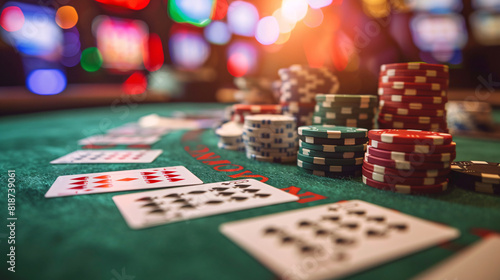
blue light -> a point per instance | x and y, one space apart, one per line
46 81
217 33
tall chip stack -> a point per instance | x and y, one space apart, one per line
345 110
270 138
240 111
331 151
413 96
408 161
300 85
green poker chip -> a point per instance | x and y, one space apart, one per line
356 173
336 132
330 161
347 98
314 153
329 141
333 148
328 168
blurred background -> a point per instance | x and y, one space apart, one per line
57 54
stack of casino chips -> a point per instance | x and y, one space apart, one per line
345 110
240 111
413 96
479 176
230 136
270 138
299 86
331 151
408 161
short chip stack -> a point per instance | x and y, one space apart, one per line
230 136
413 96
240 111
345 110
331 151
299 86
479 176
408 161
270 138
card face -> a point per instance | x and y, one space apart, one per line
109 156
147 209
333 240
107 139
136 129
480 261
117 181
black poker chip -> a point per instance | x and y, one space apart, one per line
476 171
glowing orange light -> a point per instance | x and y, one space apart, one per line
135 84
285 24
294 10
12 19
238 65
314 18
283 38
154 58
66 17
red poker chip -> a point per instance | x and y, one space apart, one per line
406 189
413 73
400 180
414 79
406 85
405 136
406 173
408 125
413 105
411 148
419 99
414 157
415 66
412 92
412 112
405 165
411 119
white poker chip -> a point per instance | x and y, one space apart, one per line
230 129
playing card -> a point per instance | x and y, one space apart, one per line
117 181
480 261
109 156
332 240
136 129
147 209
106 139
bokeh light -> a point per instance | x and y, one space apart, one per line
316 4
187 48
294 10
129 4
313 18
91 59
242 18
66 17
154 56
267 31
283 38
195 12
242 59
284 23
12 19
219 10
46 81
137 83
217 33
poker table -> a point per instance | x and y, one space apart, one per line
85 237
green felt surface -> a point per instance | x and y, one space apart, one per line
85 237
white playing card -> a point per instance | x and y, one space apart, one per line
109 156
117 181
136 129
147 209
479 261
106 139
333 240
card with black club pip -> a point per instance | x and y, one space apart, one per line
111 139
117 181
333 240
109 156
147 209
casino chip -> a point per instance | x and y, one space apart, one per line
412 112
414 79
270 138
315 153
230 136
408 161
412 92
330 161
332 132
355 173
479 176
329 141
415 66
345 110
240 111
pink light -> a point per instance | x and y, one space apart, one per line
294 10
238 65
316 4
267 31
12 19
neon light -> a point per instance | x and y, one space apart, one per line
46 81
66 17
91 59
